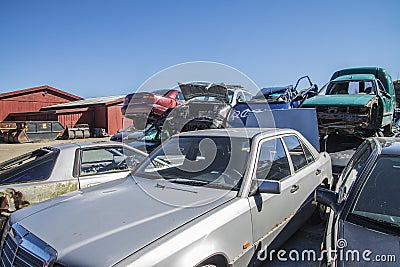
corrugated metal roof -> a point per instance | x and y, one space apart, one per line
88 102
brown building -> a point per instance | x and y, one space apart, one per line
100 112
45 103
32 99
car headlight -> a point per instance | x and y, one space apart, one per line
6 229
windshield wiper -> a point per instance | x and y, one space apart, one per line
223 186
202 183
188 181
174 188
377 221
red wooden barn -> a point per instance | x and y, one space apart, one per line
32 100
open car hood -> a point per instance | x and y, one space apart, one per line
195 89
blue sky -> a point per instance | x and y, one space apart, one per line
96 48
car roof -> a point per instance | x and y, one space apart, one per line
89 144
389 145
355 77
238 132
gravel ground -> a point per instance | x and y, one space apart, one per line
307 238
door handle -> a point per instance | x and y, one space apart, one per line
294 188
318 172
92 184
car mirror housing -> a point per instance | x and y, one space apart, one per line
270 187
328 198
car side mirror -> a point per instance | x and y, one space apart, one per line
328 198
270 187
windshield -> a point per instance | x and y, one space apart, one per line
273 95
33 166
162 92
206 99
279 96
379 196
199 161
348 88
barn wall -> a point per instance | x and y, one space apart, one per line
115 119
29 103
100 117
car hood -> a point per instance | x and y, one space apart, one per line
192 90
115 219
361 239
338 100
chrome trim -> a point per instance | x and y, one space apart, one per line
22 248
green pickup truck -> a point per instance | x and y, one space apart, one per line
358 101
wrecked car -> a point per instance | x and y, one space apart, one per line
181 206
355 104
51 171
207 106
146 107
286 97
364 207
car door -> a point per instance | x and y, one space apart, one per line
270 212
306 169
356 165
388 104
102 164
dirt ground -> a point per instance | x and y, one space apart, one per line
8 151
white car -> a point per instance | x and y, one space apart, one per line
205 198
51 171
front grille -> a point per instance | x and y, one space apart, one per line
21 248
340 109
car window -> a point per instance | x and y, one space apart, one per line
381 87
272 162
230 95
180 97
296 152
240 97
35 166
152 135
309 156
353 167
199 161
102 160
351 88
379 196
247 96
162 92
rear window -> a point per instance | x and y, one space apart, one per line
33 166
162 92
